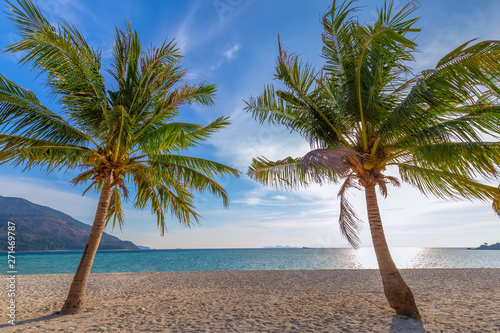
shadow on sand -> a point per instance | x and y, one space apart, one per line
29 321
400 325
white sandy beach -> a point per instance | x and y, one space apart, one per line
460 300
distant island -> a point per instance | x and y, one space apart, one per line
281 247
485 246
40 228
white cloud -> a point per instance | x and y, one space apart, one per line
192 34
251 201
231 53
258 197
228 55
192 75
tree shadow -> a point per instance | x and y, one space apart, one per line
29 321
399 325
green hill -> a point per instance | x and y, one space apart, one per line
40 228
485 246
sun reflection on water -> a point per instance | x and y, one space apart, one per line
404 257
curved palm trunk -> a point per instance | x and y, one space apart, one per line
76 296
396 290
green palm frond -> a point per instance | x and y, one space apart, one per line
178 136
302 95
288 173
172 197
21 150
196 174
461 124
22 113
115 212
470 159
207 167
496 205
273 109
445 184
457 83
287 107
336 22
366 110
72 66
284 174
165 106
113 136
365 60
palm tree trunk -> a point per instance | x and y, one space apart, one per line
76 296
396 290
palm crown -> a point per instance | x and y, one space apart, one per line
126 134
365 111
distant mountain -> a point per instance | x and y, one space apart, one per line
485 246
40 228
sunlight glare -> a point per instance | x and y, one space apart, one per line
404 257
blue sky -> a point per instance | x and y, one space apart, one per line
233 43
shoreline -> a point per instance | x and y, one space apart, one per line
245 248
460 300
260 270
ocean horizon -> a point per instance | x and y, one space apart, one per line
224 259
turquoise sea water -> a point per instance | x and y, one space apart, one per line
63 262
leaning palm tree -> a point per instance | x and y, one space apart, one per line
117 137
365 112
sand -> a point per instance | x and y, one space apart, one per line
450 300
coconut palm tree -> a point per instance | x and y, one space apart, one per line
365 112
118 136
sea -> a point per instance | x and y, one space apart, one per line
118 261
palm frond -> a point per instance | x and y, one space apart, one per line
288 173
207 167
339 160
115 210
460 124
178 136
470 159
21 150
336 22
128 133
496 205
165 106
195 174
172 197
273 109
457 83
445 184
23 114
349 222
72 66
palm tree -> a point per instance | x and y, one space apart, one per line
116 137
365 112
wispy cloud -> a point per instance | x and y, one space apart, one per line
231 53
183 34
228 54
